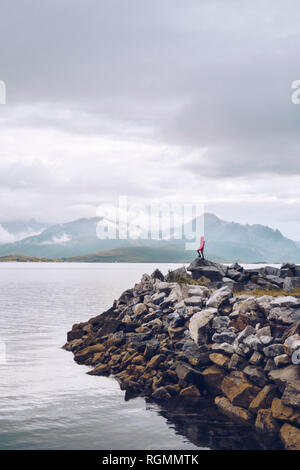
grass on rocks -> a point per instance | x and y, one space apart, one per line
271 292
202 281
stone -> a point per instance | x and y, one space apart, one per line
265 331
291 344
288 374
284 315
199 325
220 322
176 332
256 358
100 369
248 331
290 437
263 399
253 343
291 394
194 301
220 360
219 297
84 354
285 301
158 297
157 274
246 305
161 394
265 340
190 391
282 360
188 374
204 268
155 361
224 348
265 423
213 377
273 350
198 291
165 287
139 309
238 390
225 336
255 375
237 362
235 413
284 413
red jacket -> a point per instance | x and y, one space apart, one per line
202 244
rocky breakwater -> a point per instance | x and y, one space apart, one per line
174 338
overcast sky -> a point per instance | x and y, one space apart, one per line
169 100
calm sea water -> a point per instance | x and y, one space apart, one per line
46 400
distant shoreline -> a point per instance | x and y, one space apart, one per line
93 258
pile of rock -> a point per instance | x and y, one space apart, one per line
175 341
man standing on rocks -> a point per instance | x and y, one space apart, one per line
201 248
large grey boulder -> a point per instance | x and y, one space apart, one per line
285 375
212 271
200 323
284 315
291 394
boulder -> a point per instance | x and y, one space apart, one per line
281 377
273 350
282 360
235 413
161 394
219 297
198 291
191 391
263 399
255 375
291 394
224 348
291 344
285 413
212 271
238 390
195 301
290 437
225 336
188 374
200 323
213 377
220 360
265 423
157 274
284 315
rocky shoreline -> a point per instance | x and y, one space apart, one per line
188 337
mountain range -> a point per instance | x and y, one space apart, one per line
225 241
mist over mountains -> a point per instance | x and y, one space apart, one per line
225 241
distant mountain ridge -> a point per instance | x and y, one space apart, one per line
225 241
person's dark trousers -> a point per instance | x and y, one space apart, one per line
200 254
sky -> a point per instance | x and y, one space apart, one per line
165 100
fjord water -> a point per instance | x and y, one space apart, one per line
46 400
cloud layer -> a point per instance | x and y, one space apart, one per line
173 101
